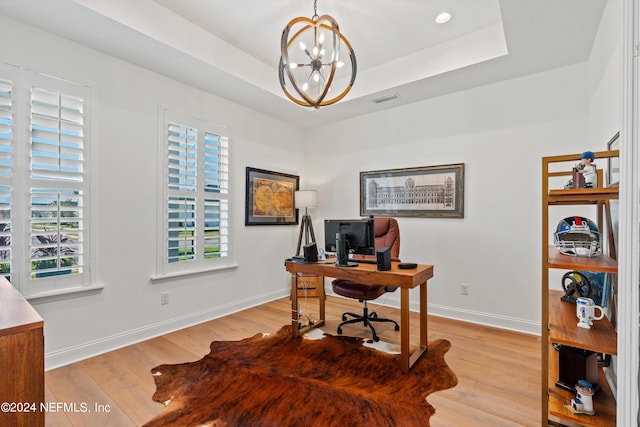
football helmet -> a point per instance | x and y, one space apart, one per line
578 236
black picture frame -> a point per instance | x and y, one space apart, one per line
427 192
270 198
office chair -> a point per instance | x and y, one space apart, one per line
387 234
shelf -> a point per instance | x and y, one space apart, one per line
563 328
559 318
582 196
601 263
603 403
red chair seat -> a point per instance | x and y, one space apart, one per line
357 291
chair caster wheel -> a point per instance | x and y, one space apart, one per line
344 318
376 338
340 331
397 328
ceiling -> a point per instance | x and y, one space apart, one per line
231 48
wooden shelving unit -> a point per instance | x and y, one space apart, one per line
559 321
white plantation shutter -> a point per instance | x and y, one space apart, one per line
182 158
57 184
5 127
182 229
216 228
216 163
195 194
216 180
6 164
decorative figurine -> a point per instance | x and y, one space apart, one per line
575 284
583 402
588 169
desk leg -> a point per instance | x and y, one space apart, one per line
294 305
404 330
408 360
423 315
296 328
323 297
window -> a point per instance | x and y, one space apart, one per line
195 195
43 158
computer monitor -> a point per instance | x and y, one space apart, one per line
359 234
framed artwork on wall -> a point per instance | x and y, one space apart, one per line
269 198
613 163
428 192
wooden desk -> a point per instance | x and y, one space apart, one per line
21 359
369 274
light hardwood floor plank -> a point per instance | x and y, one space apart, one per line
498 371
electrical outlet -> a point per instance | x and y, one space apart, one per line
164 298
464 289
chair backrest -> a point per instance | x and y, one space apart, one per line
387 234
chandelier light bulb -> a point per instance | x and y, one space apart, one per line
315 51
302 46
305 86
293 65
316 77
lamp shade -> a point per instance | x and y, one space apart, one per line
305 199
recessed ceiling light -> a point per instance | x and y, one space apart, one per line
443 17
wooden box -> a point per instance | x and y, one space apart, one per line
310 286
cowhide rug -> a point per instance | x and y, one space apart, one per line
277 380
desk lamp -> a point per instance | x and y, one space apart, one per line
305 199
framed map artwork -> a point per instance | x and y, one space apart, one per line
269 198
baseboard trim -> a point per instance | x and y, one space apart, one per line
65 356
471 316
486 319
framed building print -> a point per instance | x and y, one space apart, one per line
428 192
269 198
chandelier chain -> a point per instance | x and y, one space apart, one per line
315 9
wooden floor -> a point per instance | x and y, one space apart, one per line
498 371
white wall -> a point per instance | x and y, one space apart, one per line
125 146
500 132
604 78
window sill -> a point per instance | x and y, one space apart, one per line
64 293
168 276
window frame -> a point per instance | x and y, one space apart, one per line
21 184
201 263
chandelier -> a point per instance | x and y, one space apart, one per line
311 66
